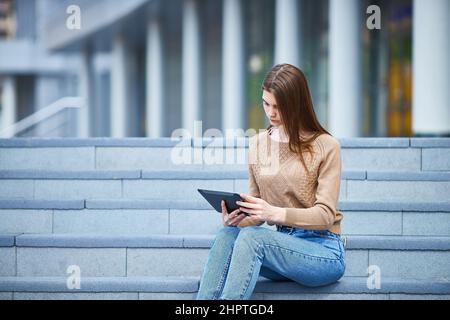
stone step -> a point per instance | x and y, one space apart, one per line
179 184
185 255
185 288
396 154
199 174
188 174
143 217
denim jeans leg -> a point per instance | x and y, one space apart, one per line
272 275
245 266
303 261
216 269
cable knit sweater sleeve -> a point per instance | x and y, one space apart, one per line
323 213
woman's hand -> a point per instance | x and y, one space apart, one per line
231 219
259 209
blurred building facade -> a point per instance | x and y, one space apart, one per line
31 77
148 67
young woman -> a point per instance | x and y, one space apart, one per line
295 188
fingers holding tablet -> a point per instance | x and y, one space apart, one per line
231 219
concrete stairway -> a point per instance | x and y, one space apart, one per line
126 211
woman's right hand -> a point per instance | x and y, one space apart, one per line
231 219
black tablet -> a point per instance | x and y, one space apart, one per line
215 197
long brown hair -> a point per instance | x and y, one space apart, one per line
289 86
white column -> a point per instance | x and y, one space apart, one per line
8 103
118 89
431 67
155 88
191 66
86 91
287 49
233 67
345 100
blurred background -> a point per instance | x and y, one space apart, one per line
143 68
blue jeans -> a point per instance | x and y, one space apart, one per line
239 256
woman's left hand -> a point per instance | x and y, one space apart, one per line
260 209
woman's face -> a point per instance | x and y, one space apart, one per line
271 108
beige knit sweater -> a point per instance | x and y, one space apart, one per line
277 175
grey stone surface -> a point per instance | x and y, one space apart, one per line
356 263
201 204
99 241
395 159
319 296
148 204
354 242
241 186
77 189
436 159
75 175
132 222
195 174
7 240
17 189
399 243
378 205
358 285
162 285
6 295
25 221
76 296
374 142
412 264
209 141
146 158
41 262
93 142
409 176
173 189
73 158
353 175
217 158
166 262
220 142
198 241
429 224
430 142
429 191
7 262
394 296
372 223
100 284
195 221
42 204
167 296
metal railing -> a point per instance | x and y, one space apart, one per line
47 114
